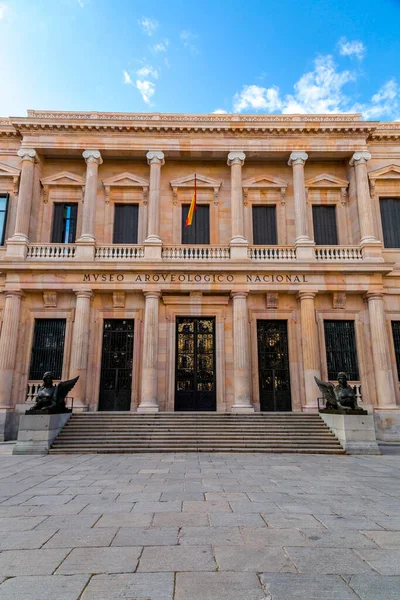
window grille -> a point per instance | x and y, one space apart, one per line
341 351
48 348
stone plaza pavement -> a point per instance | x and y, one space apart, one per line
200 527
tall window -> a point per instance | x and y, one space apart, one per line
47 348
199 231
341 351
324 221
126 224
264 225
3 216
396 341
64 223
390 214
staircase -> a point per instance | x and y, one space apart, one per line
104 432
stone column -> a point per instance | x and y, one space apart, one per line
238 241
241 355
80 347
303 242
86 242
380 352
149 395
17 244
310 349
153 241
8 350
372 246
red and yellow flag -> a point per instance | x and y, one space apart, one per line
192 206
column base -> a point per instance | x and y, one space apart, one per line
16 249
305 250
310 408
152 248
372 250
242 409
147 409
239 249
85 250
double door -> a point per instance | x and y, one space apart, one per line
273 365
116 365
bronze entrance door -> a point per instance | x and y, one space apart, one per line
116 364
273 365
195 382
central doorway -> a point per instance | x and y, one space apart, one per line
116 364
195 381
273 365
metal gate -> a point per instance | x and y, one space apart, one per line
195 382
273 365
116 364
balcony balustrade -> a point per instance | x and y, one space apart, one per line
272 253
339 253
196 253
51 251
119 252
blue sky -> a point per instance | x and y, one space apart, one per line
246 56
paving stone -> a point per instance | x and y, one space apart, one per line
139 497
329 561
138 586
322 538
68 521
253 507
218 586
30 562
157 507
206 506
71 508
249 558
264 536
194 536
180 519
385 539
44 500
25 540
376 587
182 495
386 562
19 523
122 520
56 587
108 508
357 522
82 537
101 560
139 536
236 519
176 558
229 496
305 587
292 520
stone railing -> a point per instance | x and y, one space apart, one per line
51 251
32 390
268 253
196 253
347 253
117 252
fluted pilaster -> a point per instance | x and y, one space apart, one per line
24 205
149 397
310 348
8 344
156 160
80 346
236 161
365 213
241 355
93 160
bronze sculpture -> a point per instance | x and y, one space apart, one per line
339 398
50 399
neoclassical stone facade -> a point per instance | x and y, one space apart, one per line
100 277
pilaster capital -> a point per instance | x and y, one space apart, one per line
92 156
360 157
374 296
152 294
306 295
240 295
155 157
84 294
297 157
236 158
27 154
14 294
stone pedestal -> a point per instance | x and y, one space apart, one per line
148 400
356 433
37 432
85 251
241 355
387 425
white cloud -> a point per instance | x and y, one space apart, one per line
386 102
219 111
161 46
354 48
3 11
127 78
256 97
148 25
187 38
167 63
146 71
147 89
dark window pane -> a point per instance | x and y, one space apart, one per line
396 341
390 214
48 348
126 224
199 231
264 225
341 351
3 216
325 230
64 223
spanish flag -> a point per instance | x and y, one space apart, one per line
192 207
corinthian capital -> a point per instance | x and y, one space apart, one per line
298 157
360 157
155 157
236 158
92 156
27 154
